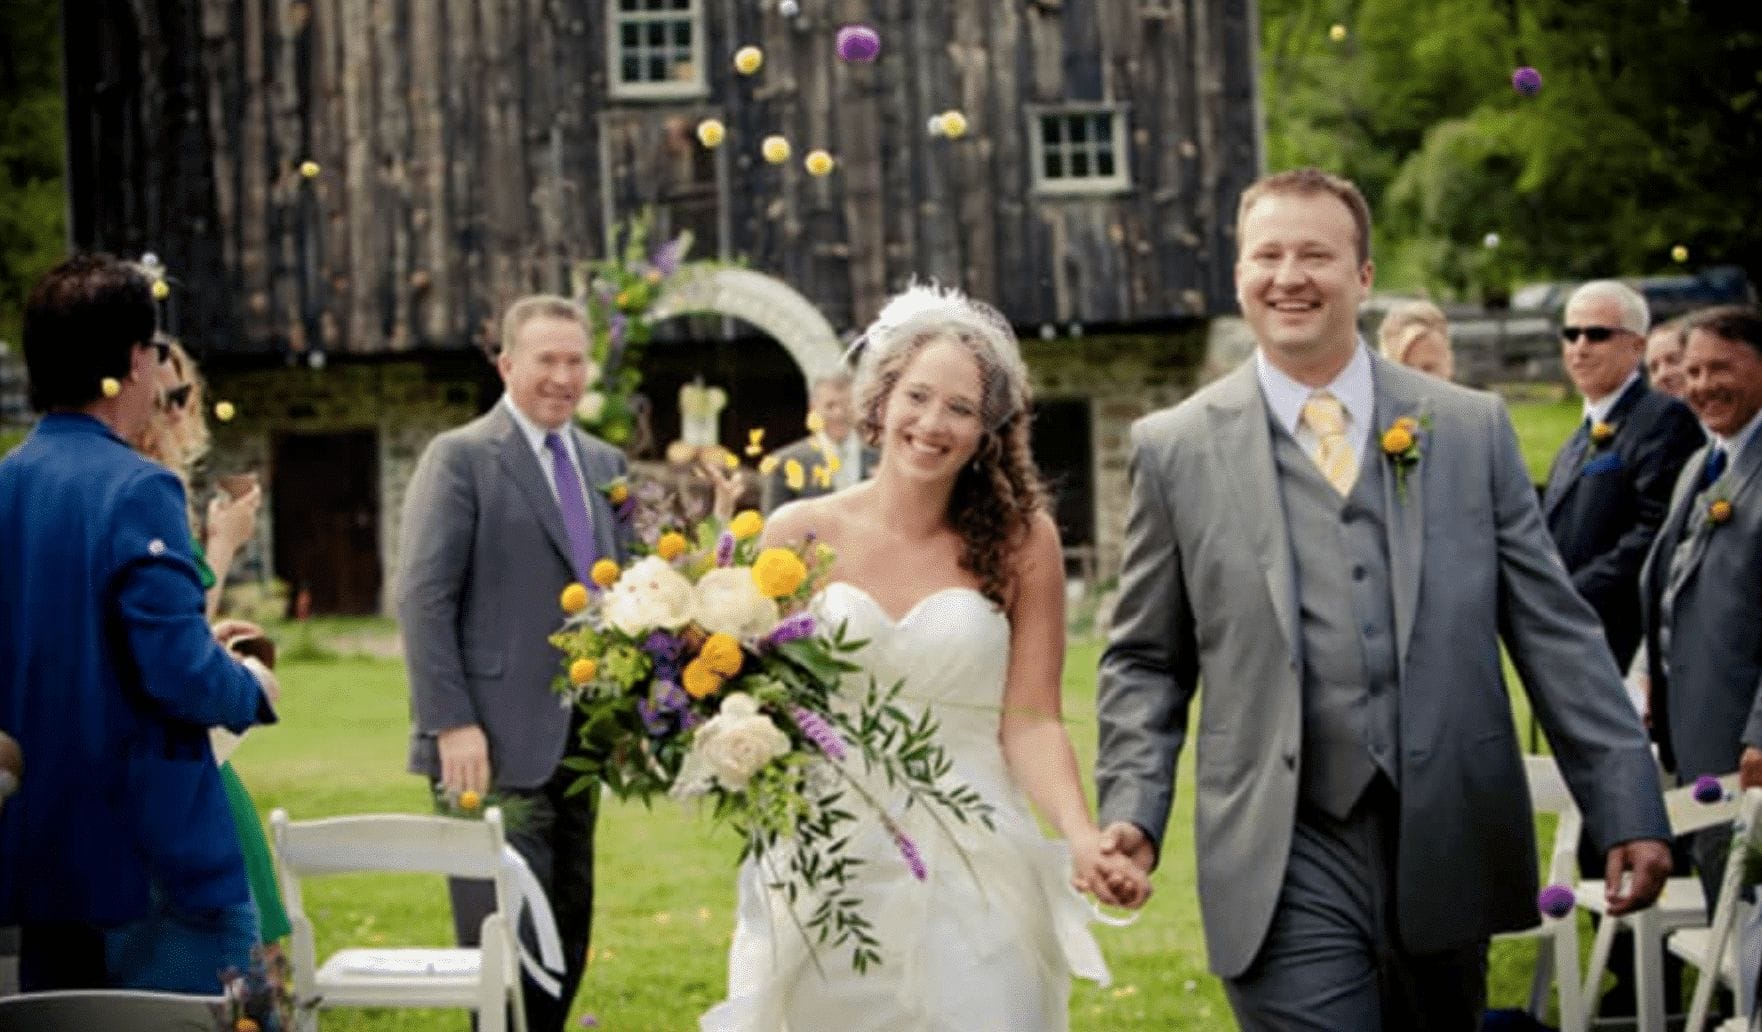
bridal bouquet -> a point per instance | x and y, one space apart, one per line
700 673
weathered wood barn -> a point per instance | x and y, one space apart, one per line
464 152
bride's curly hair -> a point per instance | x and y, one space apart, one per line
997 493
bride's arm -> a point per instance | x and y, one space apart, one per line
1035 743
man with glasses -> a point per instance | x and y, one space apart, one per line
1610 486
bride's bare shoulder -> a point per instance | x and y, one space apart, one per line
792 523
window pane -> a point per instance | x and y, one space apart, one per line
657 66
629 35
682 36
657 34
627 5
631 69
1055 168
1079 164
1079 129
1104 163
655 5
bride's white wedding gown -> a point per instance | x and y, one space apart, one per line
994 952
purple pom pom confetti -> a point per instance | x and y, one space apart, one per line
1556 901
859 43
1527 81
1709 790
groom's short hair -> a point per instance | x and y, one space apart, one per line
1306 182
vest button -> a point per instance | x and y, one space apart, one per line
1359 573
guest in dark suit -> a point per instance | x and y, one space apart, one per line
830 458
117 855
1703 628
502 514
1611 480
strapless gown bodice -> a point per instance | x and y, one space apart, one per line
991 938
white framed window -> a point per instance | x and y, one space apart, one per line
655 49
1079 149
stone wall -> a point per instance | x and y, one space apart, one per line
404 403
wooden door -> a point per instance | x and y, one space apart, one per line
326 510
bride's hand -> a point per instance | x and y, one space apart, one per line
1112 879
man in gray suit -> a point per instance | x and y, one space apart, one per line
1334 546
829 400
1698 589
502 514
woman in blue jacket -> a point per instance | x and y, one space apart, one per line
109 674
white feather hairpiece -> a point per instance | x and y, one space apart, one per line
928 307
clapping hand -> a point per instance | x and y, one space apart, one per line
725 487
233 520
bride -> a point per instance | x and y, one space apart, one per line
949 566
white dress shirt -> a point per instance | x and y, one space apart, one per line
535 439
1354 388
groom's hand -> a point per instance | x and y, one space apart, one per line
1647 864
1123 838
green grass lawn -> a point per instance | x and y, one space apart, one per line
665 881
1542 427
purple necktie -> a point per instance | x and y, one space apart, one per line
576 522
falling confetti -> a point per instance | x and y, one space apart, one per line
936 126
1491 240
748 60
954 124
1337 33
161 290
711 133
859 43
309 169
818 163
1679 254
225 411
788 8
1527 81
775 149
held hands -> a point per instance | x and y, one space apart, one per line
464 759
1100 868
1634 874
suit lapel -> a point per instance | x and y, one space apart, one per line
1655 575
1405 524
1242 447
1567 466
1737 479
522 467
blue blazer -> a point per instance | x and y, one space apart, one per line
109 679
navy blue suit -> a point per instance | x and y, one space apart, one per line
1605 502
109 679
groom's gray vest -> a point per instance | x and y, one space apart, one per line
1347 625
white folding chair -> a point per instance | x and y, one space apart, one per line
1712 951
1557 953
485 980
1682 904
87 1009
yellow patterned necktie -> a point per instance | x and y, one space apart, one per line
1333 454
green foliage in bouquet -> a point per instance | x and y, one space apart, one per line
701 673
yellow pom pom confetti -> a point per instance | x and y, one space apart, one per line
755 441
775 149
819 163
748 60
605 573
671 546
746 523
225 411
1679 254
768 465
582 670
731 460
161 290
1337 33
954 124
110 386
816 423
822 476
309 169
574 598
711 132
793 475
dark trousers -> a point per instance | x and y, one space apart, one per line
1333 957
555 836
61 955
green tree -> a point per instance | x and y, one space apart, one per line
33 204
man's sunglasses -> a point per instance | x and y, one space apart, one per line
176 398
161 346
1593 334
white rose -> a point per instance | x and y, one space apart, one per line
591 407
738 742
648 595
729 602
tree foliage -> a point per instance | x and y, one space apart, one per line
33 207
1646 135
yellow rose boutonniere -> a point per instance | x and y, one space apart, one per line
1602 433
1400 442
1719 511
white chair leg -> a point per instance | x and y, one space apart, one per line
1544 974
493 967
1573 1017
1648 971
1601 947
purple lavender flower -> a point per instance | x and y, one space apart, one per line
725 548
821 732
1709 790
908 849
666 257
792 628
661 645
689 720
1556 900
674 699
616 323
655 720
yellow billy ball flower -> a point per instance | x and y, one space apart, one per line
775 149
748 60
745 524
574 598
309 169
582 670
161 290
469 800
246 1025
700 681
954 124
1397 439
711 132
604 573
778 572
793 475
721 653
671 546
819 163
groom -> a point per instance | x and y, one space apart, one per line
1341 590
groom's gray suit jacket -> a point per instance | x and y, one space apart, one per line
1209 594
483 559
